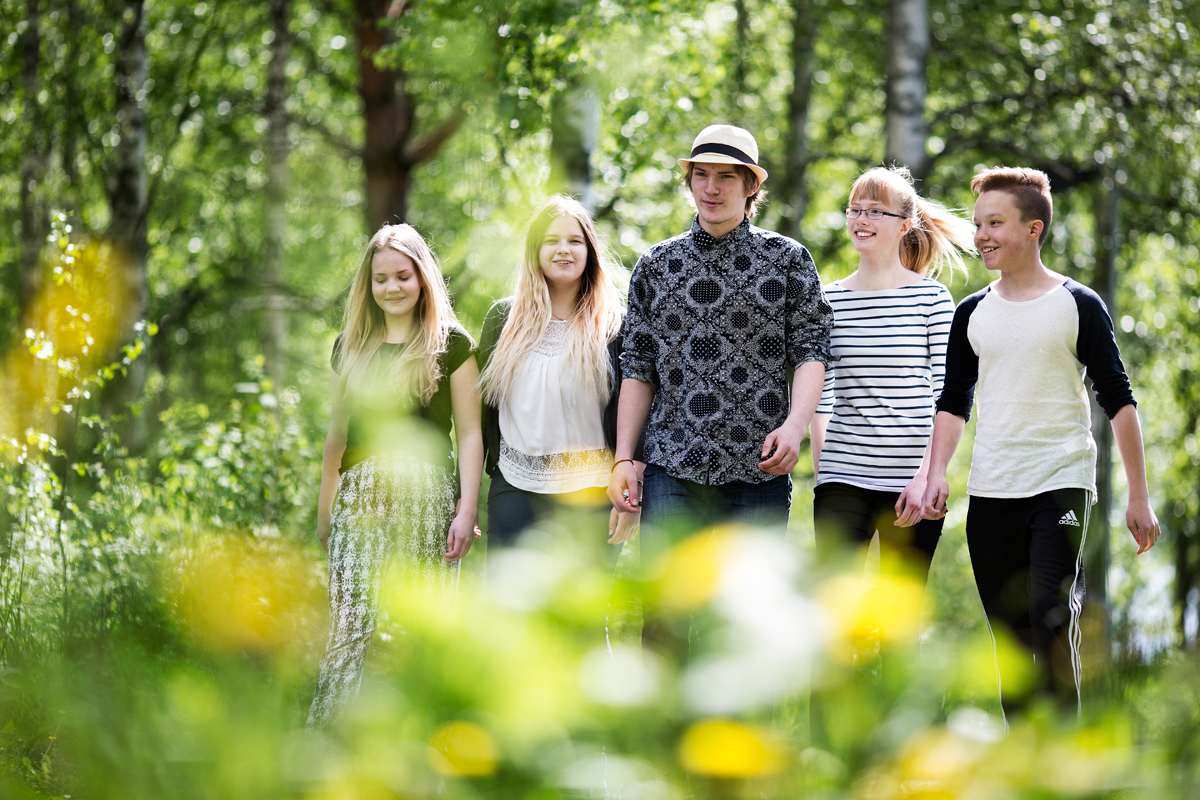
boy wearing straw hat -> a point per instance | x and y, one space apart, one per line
726 344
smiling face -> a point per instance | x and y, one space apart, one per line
563 255
720 194
395 284
881 235
1004 240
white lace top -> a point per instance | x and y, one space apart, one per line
551 436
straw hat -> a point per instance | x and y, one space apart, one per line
725 144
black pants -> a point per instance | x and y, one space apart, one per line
512 511
1027 555
848 516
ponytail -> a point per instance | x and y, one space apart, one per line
938 236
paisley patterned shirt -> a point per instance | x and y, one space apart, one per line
716 326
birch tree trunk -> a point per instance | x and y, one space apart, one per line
128 203
1096 555
574 128
739 59
798 152
34 216
274 298
906 86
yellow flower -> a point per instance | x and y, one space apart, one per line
722 748
463 749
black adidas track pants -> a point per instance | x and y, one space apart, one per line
1027 556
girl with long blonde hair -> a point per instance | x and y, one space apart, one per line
550 359
404 375
870 434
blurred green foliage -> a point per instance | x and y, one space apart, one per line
161 613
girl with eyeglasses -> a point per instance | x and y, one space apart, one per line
871 431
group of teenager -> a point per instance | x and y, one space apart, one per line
689 403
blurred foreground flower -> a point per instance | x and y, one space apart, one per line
758 643
970 757
620 676
237 593
692 569
888 610
722 748
988 663
463 749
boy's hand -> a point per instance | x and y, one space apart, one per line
785 441
937 495
1139 516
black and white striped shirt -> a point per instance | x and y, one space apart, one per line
891 350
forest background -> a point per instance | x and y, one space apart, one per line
189 187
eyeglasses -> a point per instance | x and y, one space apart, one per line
871 213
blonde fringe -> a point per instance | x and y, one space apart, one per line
597 317
938 237
416 372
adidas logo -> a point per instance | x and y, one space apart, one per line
1069 518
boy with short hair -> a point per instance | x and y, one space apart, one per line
726 342
1027 341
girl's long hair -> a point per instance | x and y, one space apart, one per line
597 317
415 372
938 236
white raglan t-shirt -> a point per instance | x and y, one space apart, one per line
1028 361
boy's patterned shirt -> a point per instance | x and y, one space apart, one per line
716 326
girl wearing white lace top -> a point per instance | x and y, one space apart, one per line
550 375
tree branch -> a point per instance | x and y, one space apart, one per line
426 146
339 143
184 115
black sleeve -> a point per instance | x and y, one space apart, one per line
615 347
1097 350
493 324
962 362
459 348
335 358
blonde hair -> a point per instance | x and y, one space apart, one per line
938 236
416 371
597 317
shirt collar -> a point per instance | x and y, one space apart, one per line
706 241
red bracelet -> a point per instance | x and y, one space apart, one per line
622 461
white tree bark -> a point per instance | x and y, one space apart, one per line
128 204
274 298
574 130
907 51
799 151
34 219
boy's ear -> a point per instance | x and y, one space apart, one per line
1035 228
